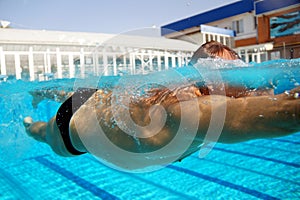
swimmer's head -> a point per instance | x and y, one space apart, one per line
214 49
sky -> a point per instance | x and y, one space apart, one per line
100 16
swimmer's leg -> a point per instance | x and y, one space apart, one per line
47 133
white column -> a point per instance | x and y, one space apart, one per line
45 63
218 38
96 63
151 60
2 59
159 62
143 63
105 63
246 56
203 38
82 66
31 64
258 58
173 61
58 62
115 64
71 66
18 66
166 61
124 61
225 41
180 60
133 63
48 61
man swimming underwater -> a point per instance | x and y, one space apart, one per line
256 115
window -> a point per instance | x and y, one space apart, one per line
238 26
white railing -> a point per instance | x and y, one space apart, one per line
61 63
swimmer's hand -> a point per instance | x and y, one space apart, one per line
36 130
27 122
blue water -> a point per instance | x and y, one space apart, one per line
258 169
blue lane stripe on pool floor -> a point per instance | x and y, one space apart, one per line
76 179
259 157
248 170
150 182
224 183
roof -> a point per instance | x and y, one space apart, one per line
209 16
271 5
42 37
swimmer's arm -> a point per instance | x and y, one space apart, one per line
55 95
246 118
257 118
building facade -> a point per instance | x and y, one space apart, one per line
41 55
264 29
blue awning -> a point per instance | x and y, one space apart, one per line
270 5
209 16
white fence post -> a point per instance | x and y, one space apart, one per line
166 60
82 66
31 64
2 58
71 66
105 63
115 64
58 61
18 66
159 61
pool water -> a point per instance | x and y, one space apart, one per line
258 169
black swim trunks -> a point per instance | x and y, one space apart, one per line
65 113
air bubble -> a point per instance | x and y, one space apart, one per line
273 99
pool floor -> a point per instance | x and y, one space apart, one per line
260 169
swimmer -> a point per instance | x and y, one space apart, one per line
252 117
248 118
